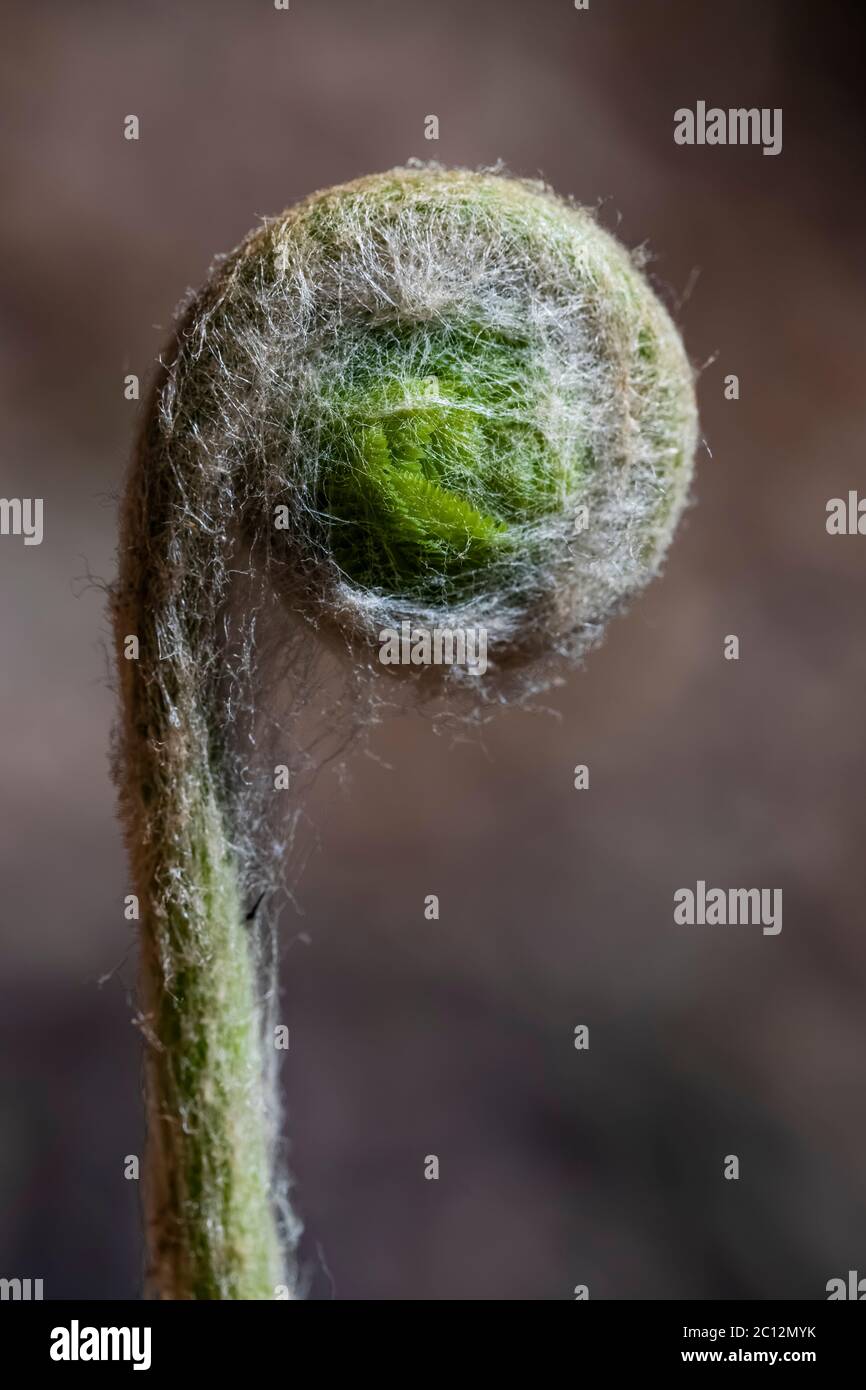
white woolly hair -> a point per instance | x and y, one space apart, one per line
323 335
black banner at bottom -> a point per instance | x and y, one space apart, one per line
155 1338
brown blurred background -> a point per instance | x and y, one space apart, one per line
455 1038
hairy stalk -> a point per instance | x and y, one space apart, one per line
210 1185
